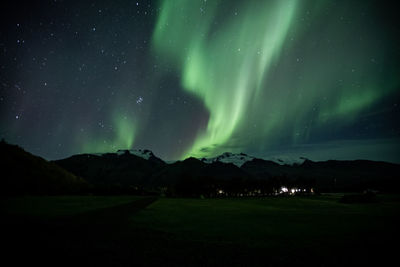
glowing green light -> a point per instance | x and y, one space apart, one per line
264 79
225 69
122 138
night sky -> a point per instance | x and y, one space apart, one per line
312 78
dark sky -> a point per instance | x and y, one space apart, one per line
310 78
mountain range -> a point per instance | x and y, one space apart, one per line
141 168
140 171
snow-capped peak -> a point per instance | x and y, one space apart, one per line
227 157
240 159
286 160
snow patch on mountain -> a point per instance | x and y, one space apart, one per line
237 159
240 159
286 160
227 157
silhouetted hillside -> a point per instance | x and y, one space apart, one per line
222 175
24 173
122 169
333 175
194 178
171 173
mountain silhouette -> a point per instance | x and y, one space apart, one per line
333 175
24 173
122 168
141 171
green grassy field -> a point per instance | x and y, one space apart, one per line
313 225
200 232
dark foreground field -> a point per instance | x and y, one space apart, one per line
145 231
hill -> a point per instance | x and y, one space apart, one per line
26 174
121 169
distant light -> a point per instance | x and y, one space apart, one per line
293 191
284 189
220 191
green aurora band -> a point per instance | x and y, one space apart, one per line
123 137
254 84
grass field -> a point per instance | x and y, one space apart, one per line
312 231
268 221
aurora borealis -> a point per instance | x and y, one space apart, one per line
198 78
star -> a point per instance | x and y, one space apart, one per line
139 100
